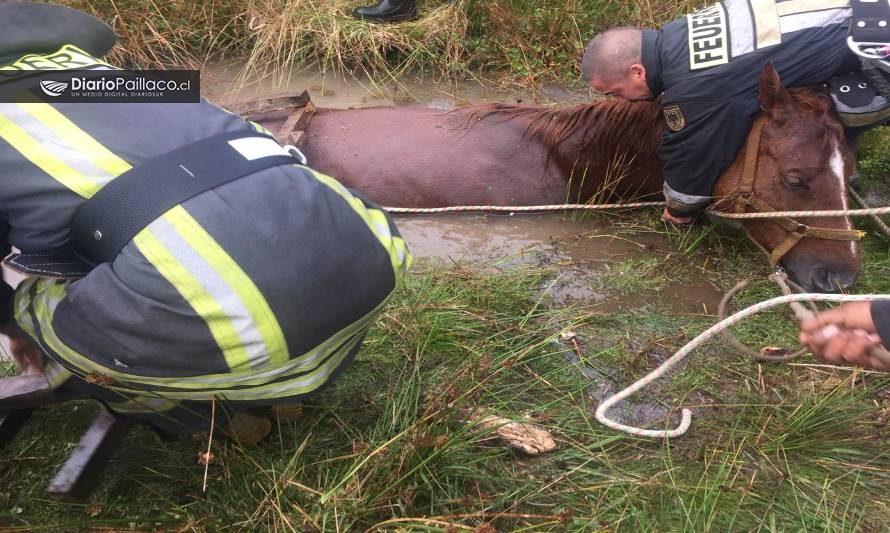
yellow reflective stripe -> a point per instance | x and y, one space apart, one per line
65 58
402 254
791 7
260 128
238 281
21 302
51 292
101 156
371 217
193 292
48 295
34 152
384 234
766 22
55 373
143 404
281 389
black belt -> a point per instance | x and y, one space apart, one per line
870 21
105 223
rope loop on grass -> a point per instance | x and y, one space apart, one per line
686 414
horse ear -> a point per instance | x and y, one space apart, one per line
771 94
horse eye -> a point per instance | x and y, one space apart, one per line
794 181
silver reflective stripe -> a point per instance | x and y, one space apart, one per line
253 148
815 19
741 27
61 148
684 202
55 374
50 292
233 309
300 385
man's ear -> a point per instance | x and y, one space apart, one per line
636 70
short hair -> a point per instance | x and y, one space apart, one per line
609 54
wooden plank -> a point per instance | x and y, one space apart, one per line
246 109
11 423
295 125
79 475
27 391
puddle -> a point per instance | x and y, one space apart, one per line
577 252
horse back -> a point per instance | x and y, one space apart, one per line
421 157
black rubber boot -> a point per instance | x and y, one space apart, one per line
386 11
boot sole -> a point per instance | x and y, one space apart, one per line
394 18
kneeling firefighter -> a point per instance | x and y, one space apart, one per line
252 289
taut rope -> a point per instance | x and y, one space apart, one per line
631 205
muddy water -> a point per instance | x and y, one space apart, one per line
221 84
577 252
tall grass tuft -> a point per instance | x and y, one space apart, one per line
522 41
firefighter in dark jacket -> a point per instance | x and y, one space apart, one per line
253 294
705 68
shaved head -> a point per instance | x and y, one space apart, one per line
609 54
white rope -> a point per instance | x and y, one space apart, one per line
686 414
882 227
801 214
520 208
597 207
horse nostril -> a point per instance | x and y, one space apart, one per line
825 279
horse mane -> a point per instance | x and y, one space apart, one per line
598 126
812 99
603 125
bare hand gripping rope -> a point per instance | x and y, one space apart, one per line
686 414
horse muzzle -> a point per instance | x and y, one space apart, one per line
821 276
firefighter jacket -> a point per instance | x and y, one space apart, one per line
257 290
706 67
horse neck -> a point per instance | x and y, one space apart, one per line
605 148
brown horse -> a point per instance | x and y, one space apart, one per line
519 155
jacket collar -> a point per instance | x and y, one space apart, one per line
651 57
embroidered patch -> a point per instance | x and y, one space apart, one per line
674 117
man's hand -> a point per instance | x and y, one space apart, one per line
853 315
844 335
26 355
676 221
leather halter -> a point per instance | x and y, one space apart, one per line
744 196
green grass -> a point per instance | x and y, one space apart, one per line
519 41
772 447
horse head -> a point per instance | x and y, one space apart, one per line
796 159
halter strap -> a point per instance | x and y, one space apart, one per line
744 196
